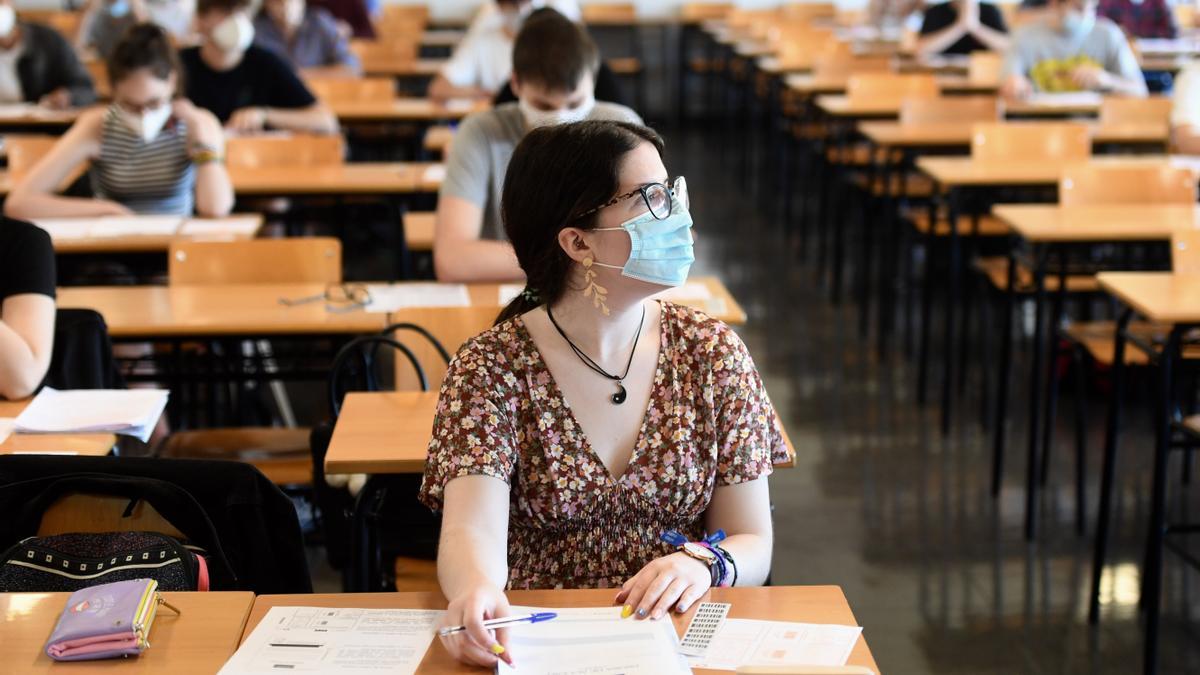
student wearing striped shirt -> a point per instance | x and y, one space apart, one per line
150 151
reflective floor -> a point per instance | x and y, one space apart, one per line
936 570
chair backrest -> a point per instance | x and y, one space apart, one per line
98 70
398 49
694 12
358 365
1117 110
257 152
82 357
985 67
890 86
24 151
950 109
452 326
1025 141
396 20
103 513
834 64
1185 252
256 261
617 12
356 90
1084 185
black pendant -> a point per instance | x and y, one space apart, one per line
619 397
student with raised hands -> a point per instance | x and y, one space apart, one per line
37 65
961 27
596 437
26 307
247 87
150 151
554 64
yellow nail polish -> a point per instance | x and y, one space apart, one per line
626 611
497 648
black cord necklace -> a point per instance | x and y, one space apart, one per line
619 397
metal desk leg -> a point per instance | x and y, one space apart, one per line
952 292
1003 376
1158 507
1035 394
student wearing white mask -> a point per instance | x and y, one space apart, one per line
247 87
37 65
1071 49
554 63
150 151
482 61
105 21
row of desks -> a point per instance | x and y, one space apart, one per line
212 625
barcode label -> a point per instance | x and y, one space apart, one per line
703 628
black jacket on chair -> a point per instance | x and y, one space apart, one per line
48 62
255 524
82 356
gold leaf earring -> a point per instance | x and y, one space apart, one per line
593 290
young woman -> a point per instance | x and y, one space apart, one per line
593 422
150 152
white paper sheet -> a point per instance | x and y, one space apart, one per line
460 104
7 424
336 641
509 292
120 226
743 642
1064 99
391 297
62 229
216 228
593 640
434 174
131 412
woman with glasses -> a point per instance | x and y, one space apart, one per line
595 436
150 151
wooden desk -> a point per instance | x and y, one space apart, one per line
807 604
1160 297
389 432
949 84
199 640
968 172
146 243
207 311
22 116
842 106
916 136
358 178
1051 223
403 110
96 445
419 68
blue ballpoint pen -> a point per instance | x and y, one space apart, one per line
536 617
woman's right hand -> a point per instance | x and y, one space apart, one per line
476 644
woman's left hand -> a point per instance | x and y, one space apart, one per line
675 580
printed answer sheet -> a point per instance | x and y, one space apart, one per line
743 642
593 641
336 641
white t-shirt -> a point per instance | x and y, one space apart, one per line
10 81
484 57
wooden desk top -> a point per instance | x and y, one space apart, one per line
199 640
146 243
96 445
811 85
967 172
358 178
234 309
404 110
1160 297
894 134
1047 223
389 432
399 68
21 116
806 604
842 106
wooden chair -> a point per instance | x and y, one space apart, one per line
950 109
1185 252
1089 184
834 64
985 67
875 86
103 513
255 152
438 140
282 454
1030 141
1118 110
401 49
452 326
418 230
402 21
353 90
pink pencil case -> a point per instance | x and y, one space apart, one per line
106 621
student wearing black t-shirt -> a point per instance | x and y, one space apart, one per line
248 88
962 27
26 307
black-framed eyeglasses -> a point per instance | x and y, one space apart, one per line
657 197
337 297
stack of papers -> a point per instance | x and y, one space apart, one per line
109 226
593 640
392 297
130 412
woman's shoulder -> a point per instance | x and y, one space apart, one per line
498 347
694 331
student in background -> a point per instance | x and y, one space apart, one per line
962 27
150 152
26 307
554 62
105 21
482 62
353 17
247 87
307 38
1141 18
37 65
539 461
1071 49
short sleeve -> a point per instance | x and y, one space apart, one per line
749 437
1015 61
26 259
468 166
1124 63
473 433
462 69
1185 100
285 90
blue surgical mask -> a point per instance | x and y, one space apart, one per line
119 8
662 249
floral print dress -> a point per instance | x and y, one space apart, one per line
571 523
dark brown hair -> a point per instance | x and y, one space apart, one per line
205 6
556 173
144 45
553 51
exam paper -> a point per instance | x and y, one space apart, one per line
593 641
61 229
131 412
434 174
120 226
744 642
234 226
336 641
392 297
7 424
1064 99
